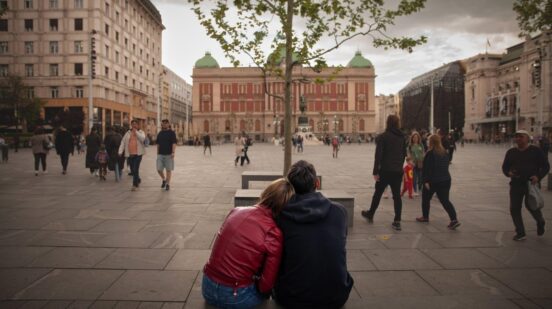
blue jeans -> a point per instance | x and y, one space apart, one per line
418 180
134 162
222 296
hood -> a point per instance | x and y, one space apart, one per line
305 208
396 132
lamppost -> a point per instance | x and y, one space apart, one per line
335 123
276 123
91 76
326 124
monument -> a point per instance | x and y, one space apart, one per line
303 121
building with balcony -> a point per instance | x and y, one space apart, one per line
229 100
49 43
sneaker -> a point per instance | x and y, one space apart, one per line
396 226
167 187
416 194
453 225
422 219
386 196
366 214
134 188
519 237
163 184
540 228
64 172
36 173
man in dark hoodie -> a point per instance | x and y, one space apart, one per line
313 270
388 169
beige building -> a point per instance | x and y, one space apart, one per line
229 100
49 44
385 105
510 91
178 102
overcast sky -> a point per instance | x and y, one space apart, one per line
456 29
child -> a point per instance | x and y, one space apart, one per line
102 158
408 178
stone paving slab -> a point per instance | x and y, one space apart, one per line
400 259
126 258
71 258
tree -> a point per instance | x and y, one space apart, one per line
14 95
533 15
297 27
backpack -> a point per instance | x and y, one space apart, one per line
248 141
334 142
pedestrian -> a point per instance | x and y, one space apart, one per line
16 142
245 257
246 143
524 164
64 147
300 142
4 147
451 146
416 152
166 149
112 142
408 177
388 169
313 272
436 178
132 145
102 158
41 145
93 142
239 145
335 146
207 143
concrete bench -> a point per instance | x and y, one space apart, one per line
248 176
248 197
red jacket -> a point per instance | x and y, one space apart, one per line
408 173
247 238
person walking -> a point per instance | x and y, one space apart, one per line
16 142
64 147
207 143
436 178
132 145
524 164
246 143
166 148
102 157
388 169
245 258
416 152
408 177
335 146
41 146
93 142
112 142
451 146
239 145
313 273
4 147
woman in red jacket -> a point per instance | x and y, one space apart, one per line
244 262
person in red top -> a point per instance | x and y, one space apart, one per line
408 178
245 259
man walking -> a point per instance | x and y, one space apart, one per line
64 146
522 164
133 147
207 143
166 147
388 169
313 270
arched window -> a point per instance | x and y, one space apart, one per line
257 125
341 125
242 125
206 125
228 125
361 125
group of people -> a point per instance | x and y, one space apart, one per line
242 142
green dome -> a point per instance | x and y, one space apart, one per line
359 62
280 55
207 62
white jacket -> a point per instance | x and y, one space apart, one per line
140 136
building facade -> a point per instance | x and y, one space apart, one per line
49 43
179 102
385 105
229 100
510 91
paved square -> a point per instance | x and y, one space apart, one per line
71 241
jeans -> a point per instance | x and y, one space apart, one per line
418 181
40 157
117 171
134 163
64 159
394 180
222 296
442 189
518 192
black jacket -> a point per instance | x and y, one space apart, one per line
390 152
313 270
64 142
524 164
436 168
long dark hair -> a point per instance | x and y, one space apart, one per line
436 145
393 122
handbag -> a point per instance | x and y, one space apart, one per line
46 144
534 197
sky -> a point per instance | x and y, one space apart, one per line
456 30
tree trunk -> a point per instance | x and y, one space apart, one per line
289 68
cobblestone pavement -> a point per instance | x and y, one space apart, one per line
71 241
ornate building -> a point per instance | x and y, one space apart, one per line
385 105
229 100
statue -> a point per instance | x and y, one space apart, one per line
303 120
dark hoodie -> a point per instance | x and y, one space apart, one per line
313 272
390 152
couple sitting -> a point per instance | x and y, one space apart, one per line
291 245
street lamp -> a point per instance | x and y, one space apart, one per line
335 122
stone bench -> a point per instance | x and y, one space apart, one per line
248 176
248 197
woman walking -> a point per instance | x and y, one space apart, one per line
41 145
245 259
239 143
436 178
93 142
416 152
64 147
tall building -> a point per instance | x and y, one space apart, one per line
229 100
179 102
385 105
49 43
510 91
